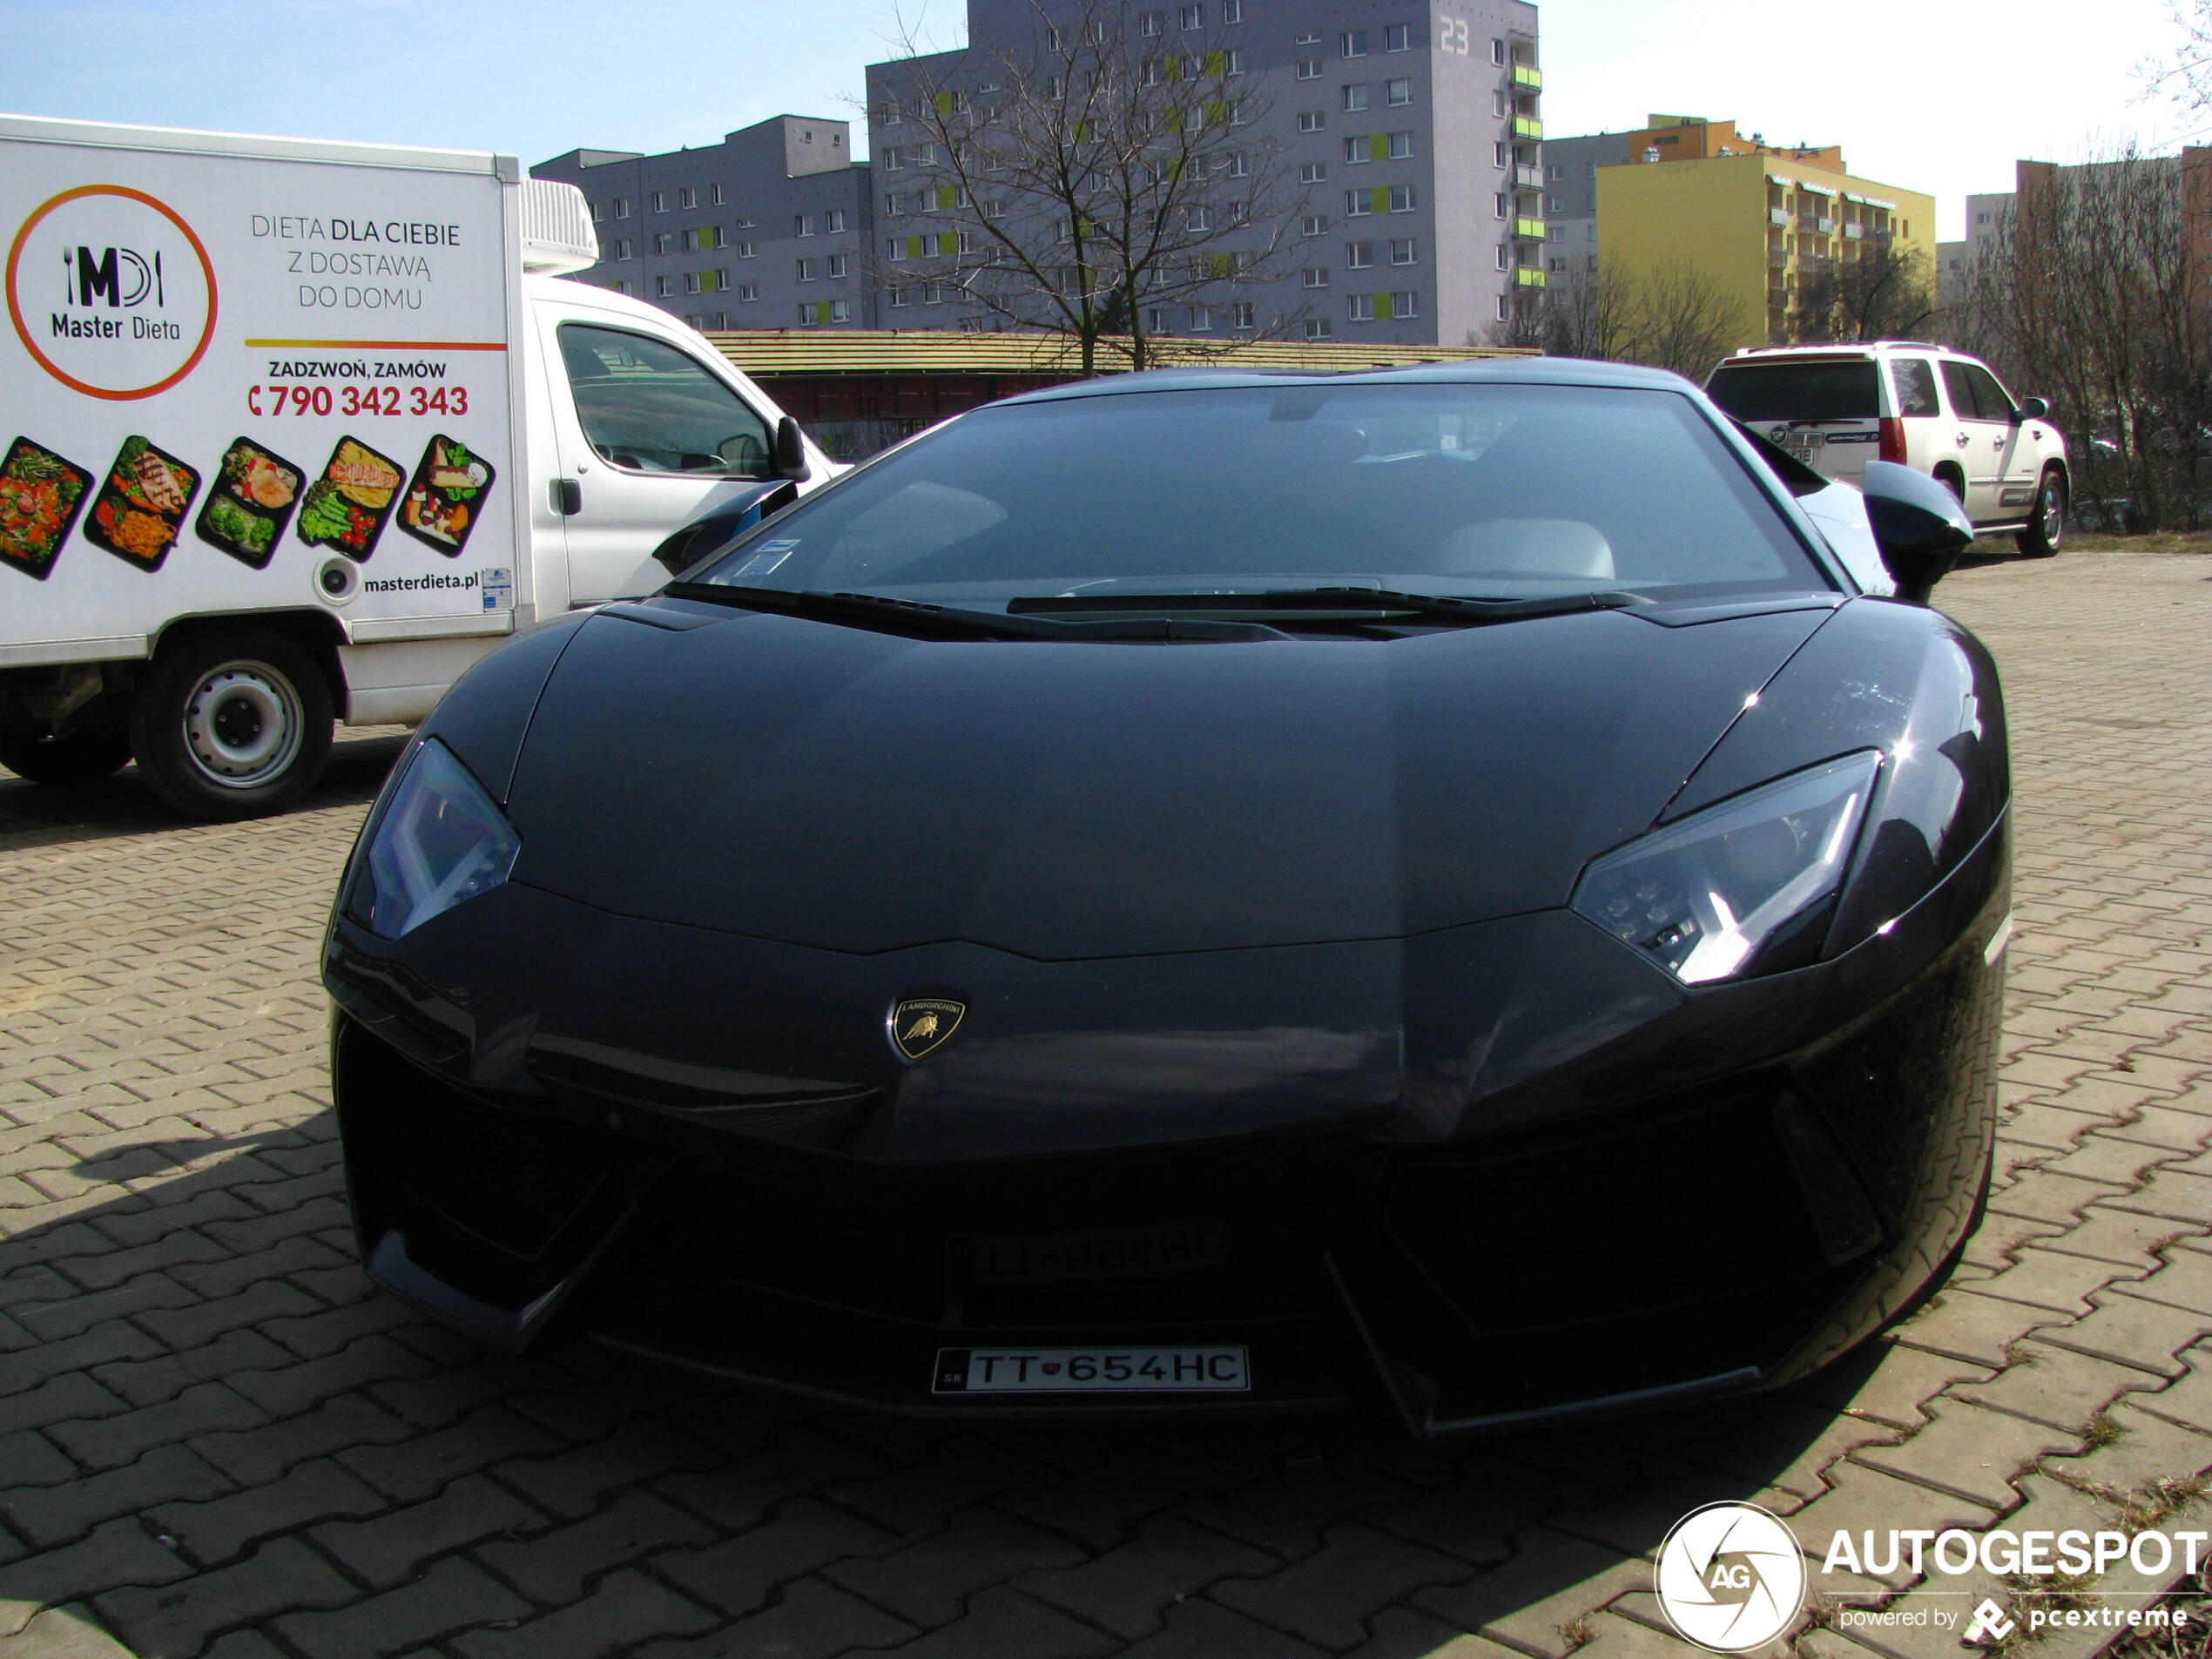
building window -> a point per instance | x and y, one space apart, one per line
1315 276
1359 255
1504 262
1554 172
1555 233
696 282
1352 42
1500 206
891 203
933 294
1201 320
833 221
622 247
1192 17
1558 264
1309 69
805 313
1557 204
965 244
893 158
1195 218
687 197
1363 308
1314 224
714 197
1498 105
1155 319
660 201
1317 328
1054 40
664 285
1355 150
806 270
748 292
618 287
1244 314
1400 91
1403 250
1401 146
837 263
1149 22
1358 204
1232 10
622 207
1311 121
1312 172
802 224
1497 155
1310 38
1502 308
1236 60
746 250
1498 51
1398 38
598 213
994 209
1404 303
841 311
1355 99
897 296
1401 198
663 242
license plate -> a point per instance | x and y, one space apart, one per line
1804 448
1091 1371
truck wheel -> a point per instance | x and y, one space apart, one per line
232 723
84 757
2047 528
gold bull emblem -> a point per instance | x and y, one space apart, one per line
921 1024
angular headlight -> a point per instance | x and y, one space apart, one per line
441 842
1743 885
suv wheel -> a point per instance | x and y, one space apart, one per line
2045 531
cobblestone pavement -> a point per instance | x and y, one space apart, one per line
214 1439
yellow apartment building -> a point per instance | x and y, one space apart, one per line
1758 219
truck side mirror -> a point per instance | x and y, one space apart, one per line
2034 408
791 451
723 523
1918 525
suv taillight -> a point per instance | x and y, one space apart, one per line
1893 438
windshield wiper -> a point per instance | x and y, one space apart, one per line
990 624
1348 603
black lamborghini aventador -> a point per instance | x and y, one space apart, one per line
1211 889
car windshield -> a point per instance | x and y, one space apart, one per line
1800 391
1468 490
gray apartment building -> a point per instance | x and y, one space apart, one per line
1988 217
767 229
1570 200
1407 135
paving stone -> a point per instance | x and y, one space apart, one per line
738 1495
162 1377
2147 1335
1005 1624
71 1632
927 1584
2049 1278
453 1598
347 1423
415 1469
105 1442
624 1610
1288 1513
1971 1451
573 1482
391 1548
1889 1383
740 1574
175 1623
134 1298
1551 1580
2124 1237
1865 1498
1328 1596
554 1567
2057 1386
1202 1630
117 1554
48 1515
219 1528
813 1620
1965 1326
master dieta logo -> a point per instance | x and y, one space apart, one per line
110 292
1730 1577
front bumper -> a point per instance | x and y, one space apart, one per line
1571 1189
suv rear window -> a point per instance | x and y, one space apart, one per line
1798 391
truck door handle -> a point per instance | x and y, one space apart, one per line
568 496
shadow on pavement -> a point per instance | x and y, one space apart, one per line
1336 1530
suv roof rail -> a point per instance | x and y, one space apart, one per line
1921 345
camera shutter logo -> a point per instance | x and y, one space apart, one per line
110 292
1730 1577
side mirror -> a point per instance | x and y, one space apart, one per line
791 451
723 523
2035 408
1917 523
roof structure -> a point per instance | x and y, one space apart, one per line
821 351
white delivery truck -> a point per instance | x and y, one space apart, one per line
300 430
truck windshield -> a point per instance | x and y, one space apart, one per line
1471 489
1798 391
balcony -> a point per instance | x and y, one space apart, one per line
1777 216
1528 276
1527 126
1854 233
1818 224
1529 77
1776 259
1527 177
1528 230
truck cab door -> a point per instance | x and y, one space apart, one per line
649 437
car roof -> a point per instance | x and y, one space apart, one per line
1528 371
1850 349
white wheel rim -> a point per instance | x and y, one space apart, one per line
2054 513
242 725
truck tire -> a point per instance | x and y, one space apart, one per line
84 757
231 723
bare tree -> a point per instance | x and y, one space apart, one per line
2092 296
1671 316
1082 183
1887 292
2184 77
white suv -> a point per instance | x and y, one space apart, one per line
1937 411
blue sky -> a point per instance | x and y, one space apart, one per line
1934 95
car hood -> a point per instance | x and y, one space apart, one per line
858 791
